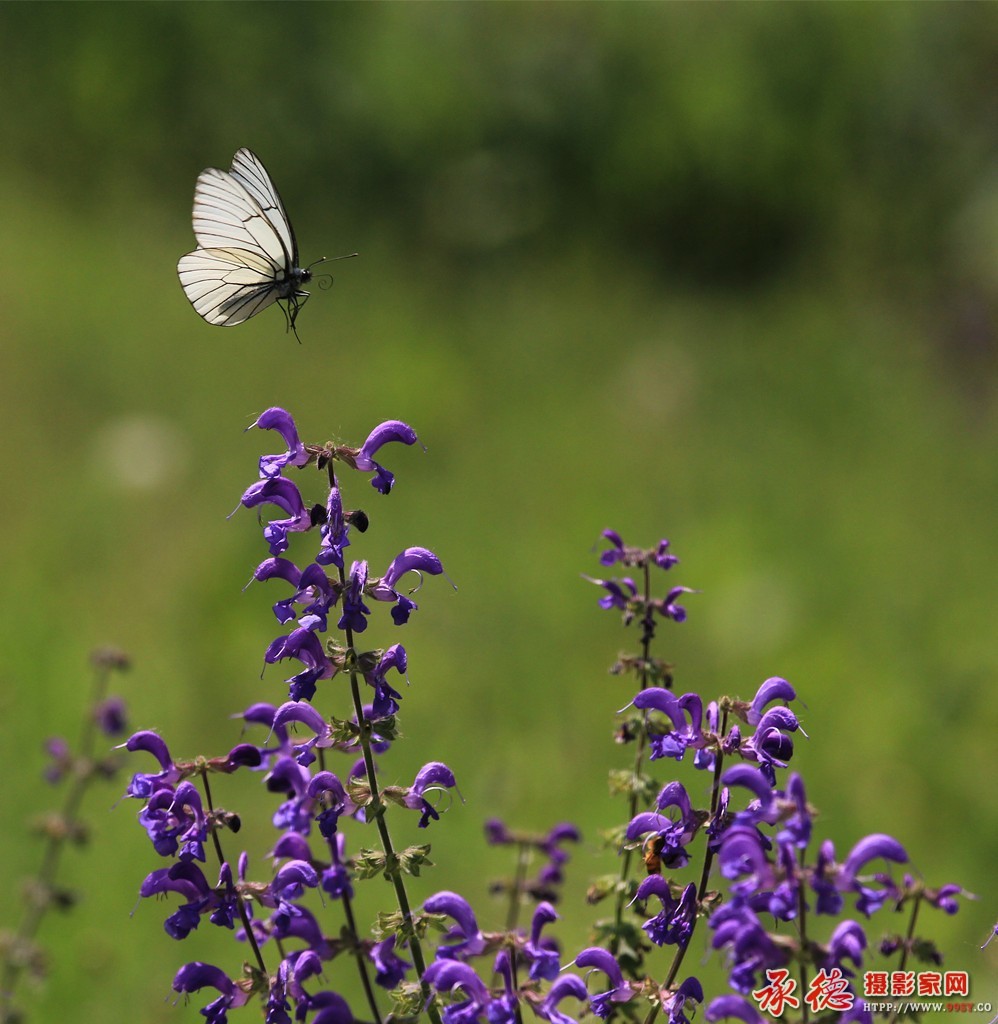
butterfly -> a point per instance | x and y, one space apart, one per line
247 255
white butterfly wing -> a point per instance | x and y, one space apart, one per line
228 285
248 169
226 216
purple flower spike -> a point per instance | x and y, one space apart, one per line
281 421
690 991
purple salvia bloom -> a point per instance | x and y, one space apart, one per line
281 421
417 560
471 941
870 848
847 942
304 646
823 879
109 715
783 901
657 927
669 608
751 950
391 430
317 588
797 828
675 835
632 556
327 784
945 897
451 976
144 784
390 968
567 985
675 1003
354 609
303 712
542 958
620 990
675 743
195 976
763 808
289 883
188 881
284 495
502 1009
619 594
283 569
304 926
769 746
386 697
615 553
497 833
434 775
743 856
772 689
189 811
333 532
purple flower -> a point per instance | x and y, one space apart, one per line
355 612
751 951
109 715
672 836
870 848
543 959
391 430
657 927
390 968
280 421
333 532
193 977
675 1003
327 786
282 493
470 941
304 646
303 712
620 990
567 985
417 560
432 776
144 784
386 698
451 976
772 689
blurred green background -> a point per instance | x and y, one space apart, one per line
722 273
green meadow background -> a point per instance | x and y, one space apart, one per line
722 273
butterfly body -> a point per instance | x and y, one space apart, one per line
247 255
